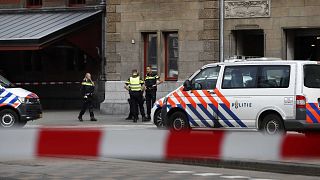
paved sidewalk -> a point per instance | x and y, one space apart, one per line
70 118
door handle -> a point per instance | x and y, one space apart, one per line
211 92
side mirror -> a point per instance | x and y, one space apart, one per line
187 85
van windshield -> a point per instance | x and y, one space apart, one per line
5 82
312 76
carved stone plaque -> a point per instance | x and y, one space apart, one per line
246 8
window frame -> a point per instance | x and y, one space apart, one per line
166 35
146 50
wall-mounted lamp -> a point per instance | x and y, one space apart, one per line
133 41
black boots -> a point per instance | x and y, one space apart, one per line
135 120
93 119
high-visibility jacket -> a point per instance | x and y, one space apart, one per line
135 83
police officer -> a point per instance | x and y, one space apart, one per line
135 86
87 89
151 82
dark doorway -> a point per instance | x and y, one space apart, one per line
307 48
249 42
303 44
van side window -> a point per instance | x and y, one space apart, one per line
260 76
240 77
206 79
312 76
274 77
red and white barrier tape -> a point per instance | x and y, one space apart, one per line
44 83
154 145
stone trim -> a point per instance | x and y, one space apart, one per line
247 8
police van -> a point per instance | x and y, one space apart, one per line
270 95
17 105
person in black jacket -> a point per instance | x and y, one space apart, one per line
152 80
87 89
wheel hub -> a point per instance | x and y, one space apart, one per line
7 120
272 127
159 121
178 124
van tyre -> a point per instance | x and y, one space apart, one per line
272 124
178 122
8 118
158 119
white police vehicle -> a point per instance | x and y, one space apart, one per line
17 105
268 95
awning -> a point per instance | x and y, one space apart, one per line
31 31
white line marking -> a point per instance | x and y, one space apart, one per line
261 179
207 174
182 172
235 177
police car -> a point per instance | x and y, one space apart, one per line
17 105
273 96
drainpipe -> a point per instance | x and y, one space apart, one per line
103 43
221 3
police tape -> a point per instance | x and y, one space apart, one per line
43 83
154 144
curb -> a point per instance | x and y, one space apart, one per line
272 166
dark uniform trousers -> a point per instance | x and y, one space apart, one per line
136 98
87 104
150 99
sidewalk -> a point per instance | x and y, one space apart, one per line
70 118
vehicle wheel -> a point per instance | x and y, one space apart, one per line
8 118
158 120
179 121
272 124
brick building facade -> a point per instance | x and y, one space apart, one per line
175 38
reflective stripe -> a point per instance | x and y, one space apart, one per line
152 77
87 83
135 83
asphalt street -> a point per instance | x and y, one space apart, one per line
123 169
107 168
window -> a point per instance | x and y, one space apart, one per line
76 2
171 56
206 79
312 76
239 77
150 51
274 77
236 77
34 3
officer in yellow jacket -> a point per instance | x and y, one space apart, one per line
87 89
135 86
